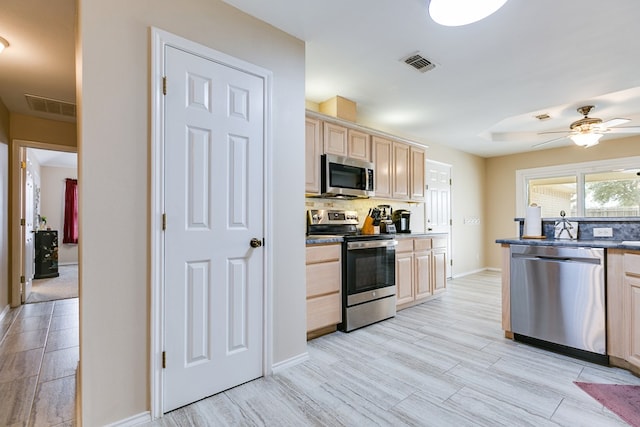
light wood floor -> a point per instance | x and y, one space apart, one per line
38 361
442 363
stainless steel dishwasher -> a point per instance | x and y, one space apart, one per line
558 299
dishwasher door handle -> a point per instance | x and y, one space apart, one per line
556 259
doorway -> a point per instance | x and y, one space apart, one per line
54 270
28 161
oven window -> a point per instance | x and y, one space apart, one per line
343 176
369 269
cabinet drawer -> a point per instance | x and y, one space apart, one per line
322 253
404 245
323 311
421 244
323 278
439 242
632 263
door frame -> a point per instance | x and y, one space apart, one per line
160 39
15 233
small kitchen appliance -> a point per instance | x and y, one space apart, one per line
368 267
401 220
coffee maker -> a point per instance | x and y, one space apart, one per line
401 219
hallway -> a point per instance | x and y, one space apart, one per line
38 361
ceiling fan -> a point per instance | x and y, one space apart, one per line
587 131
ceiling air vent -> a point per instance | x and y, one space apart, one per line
52 106
543 116
419 62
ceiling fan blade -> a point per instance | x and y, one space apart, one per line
560 131
549 141
613 122
625 129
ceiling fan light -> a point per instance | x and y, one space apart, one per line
3 44
453 13
586 139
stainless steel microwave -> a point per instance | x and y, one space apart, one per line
346 177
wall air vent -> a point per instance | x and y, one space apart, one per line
419 62
51 106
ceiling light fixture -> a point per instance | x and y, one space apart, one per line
453 13
586 139
3 44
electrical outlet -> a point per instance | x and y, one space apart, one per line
603 232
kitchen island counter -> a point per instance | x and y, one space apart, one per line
591 243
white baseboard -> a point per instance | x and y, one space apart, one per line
468 273
285 364
135 420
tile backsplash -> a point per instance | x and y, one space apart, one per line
362 206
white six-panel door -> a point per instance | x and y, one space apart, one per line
438 201
214 139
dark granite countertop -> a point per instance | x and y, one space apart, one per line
592 243
323 239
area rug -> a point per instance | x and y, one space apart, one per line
623 400
62 287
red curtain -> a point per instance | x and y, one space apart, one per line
70 234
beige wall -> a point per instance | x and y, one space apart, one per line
52 186
30 128
114 123
4 207
501 183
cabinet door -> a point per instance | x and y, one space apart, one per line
335 139
404 278
312 156
439 270
422 276
417 173
382 158
401 164
359 146
634 324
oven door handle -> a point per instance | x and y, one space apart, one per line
371 244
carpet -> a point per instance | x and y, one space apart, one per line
623 400
62 287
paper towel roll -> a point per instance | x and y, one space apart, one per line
533 221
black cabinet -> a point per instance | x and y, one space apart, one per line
46 254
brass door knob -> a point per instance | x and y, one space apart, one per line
255 243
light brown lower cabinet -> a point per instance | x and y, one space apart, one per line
324 287
420 269
623 308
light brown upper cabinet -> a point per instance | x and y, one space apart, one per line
401 164
313 150
382 159
417 173
335 139
346 142
359 146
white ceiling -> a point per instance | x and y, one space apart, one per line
491 77
54 159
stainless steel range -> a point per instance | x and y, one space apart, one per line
368 268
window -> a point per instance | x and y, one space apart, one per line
607 188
